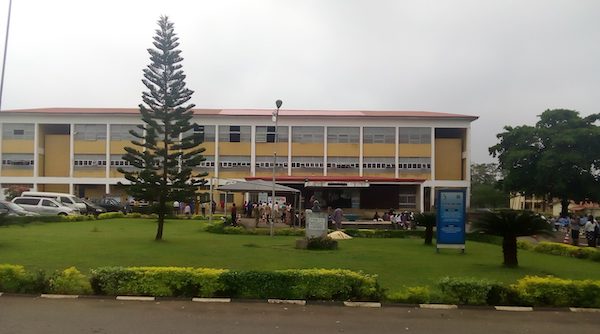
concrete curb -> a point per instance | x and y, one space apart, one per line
362 304
211 300
53 296
438 306
136 298
514 308
581 309
287 301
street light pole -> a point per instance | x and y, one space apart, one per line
274 117
5 48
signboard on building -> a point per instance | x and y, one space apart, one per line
451 217
316 224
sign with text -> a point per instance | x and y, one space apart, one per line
316 224
450 219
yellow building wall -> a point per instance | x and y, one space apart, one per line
17 146
234 149
269 173
89 147
56 155
12 171
224 174
343 150
448 159
118 146
307 149
390 173
95 192
54 188
415 150
426 176
114 173
267 149
92 172
379 150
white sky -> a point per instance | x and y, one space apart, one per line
505 61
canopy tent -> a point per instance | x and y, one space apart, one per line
257 186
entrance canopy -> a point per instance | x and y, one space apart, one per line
257 186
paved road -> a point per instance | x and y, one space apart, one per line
37 315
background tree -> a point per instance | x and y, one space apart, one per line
486 188
559 157
510 224
14 190
166 147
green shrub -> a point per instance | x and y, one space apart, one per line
110 215
134 215
322 243
321 284
471 291
14 278
595 257
69 281
524 244
555 248
551 291
370 233
413 295
157 281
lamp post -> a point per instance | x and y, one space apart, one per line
274 117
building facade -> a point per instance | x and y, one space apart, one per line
358 160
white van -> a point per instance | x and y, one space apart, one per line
66 199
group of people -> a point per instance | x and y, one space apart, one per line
586 224
262 212
401 220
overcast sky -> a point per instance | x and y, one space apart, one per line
505 61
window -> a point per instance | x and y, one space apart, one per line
121 131
379 135
343 135
307 134
415 135
90 132
234 134
407 198
18 132
27 201
49 203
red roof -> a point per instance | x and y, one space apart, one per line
370 179
257 112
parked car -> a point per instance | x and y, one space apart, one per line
92 208
111 205
44 206
66 199
12 209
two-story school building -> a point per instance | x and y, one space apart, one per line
357 160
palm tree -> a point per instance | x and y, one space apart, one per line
426 219
510 224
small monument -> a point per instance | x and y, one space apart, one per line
316 227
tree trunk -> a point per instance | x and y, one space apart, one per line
428 235
564 207
161 218
509 249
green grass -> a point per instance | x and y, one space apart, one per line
129 242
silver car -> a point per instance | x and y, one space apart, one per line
44 206
13 210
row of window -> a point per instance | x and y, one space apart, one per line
12 162
99 163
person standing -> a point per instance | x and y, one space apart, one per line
203 209
338 215
233 215
590 231
213 207
176 208
575 227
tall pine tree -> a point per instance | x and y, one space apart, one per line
166 148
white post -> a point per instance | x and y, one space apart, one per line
325 152
253 150
432 154
71 150
107 153
397 153
361 151
36 143
289 172
216 172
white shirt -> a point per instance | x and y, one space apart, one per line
589 226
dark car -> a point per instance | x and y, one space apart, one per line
111 205
93 208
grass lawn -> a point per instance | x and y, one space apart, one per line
129 242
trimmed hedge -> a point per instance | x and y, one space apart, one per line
370 233
555 248
223 228
472 291
15 279
551 291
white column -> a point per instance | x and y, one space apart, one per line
36 143
290 150
432 154
71 188
467 154
421 198
216 172
324 151
107 189
1 135
253 150
71 151
107 153
360 151
396 153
